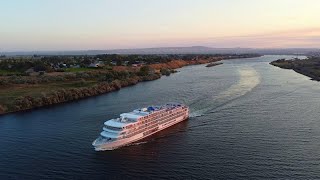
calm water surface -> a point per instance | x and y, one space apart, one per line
248 120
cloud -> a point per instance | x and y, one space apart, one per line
300 38
308 38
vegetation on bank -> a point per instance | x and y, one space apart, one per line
30 92
309 67
31 82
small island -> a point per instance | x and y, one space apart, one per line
28 82
309 67
214 64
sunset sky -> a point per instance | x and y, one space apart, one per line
112 24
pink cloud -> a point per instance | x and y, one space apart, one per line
309 38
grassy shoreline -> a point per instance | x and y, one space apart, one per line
56 88
22 97
309 67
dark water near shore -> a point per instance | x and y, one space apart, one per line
249 120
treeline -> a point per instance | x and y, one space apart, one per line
57 63
20 65
165 58
48 64
99 75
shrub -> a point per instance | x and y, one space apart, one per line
166 72
82 82
145 70
60 70
82 75
2 109
4 82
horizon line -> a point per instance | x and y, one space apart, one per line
161 47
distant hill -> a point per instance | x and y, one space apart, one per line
173 50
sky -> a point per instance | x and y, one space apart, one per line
35 25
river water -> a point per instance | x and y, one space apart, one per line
248 120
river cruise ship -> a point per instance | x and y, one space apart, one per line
138 124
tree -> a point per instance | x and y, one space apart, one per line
86 61
119 63
108 62
109 76
144 71
40 67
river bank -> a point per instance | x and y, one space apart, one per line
40 95
28 92
309 67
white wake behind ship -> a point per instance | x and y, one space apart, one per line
138 124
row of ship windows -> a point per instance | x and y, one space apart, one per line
162 119
150 131
172 120
153 119
155 114
113 128
173 115
152 125
163 116
143 127
135 132
140 130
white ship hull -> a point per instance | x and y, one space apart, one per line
126 141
